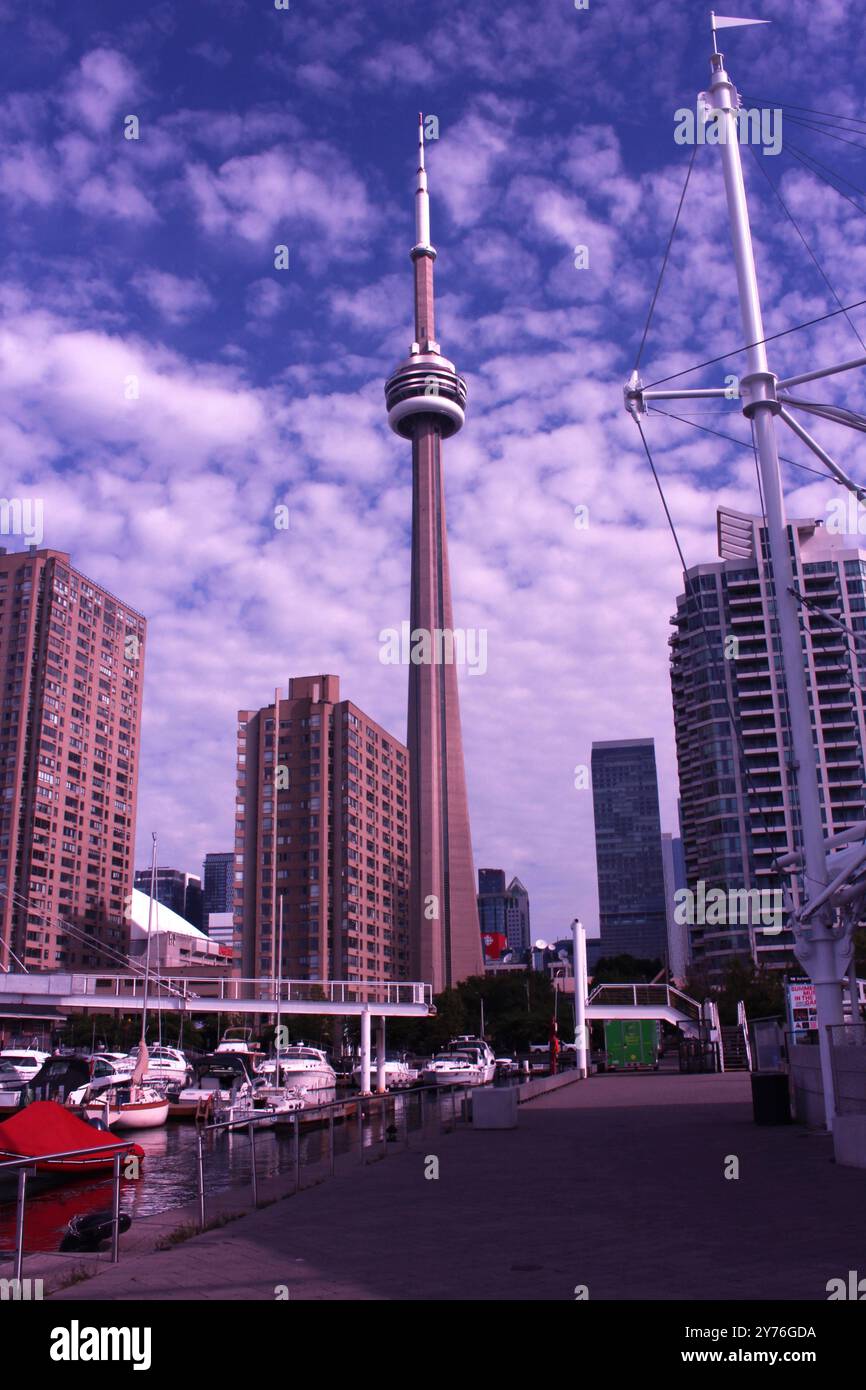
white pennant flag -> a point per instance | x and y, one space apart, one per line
724 21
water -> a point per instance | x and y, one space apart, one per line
168 1178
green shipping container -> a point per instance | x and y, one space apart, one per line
631 1043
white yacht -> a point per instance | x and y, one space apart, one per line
241 1042
27 1061
468 1061
398 1073
453 1069
306 1071
165 1064
478 1048
275 1096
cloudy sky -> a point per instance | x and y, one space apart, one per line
153 258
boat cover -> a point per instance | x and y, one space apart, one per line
47 1128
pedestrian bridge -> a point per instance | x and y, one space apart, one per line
644 1001
107 992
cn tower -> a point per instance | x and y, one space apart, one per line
426 402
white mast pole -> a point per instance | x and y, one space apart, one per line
817 946
279 977
578 934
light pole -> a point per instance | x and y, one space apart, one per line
578 935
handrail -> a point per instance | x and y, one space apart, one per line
104 983
26 1166
66 1153
359 1101
646 994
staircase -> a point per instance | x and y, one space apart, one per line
735 1055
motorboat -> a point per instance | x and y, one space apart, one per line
242 1042
221 1088
307 1071
70 1077
478 1048
164 1064
123 1062
45 1128
11 1086
27 1061
277 1101
454 1069
398 1073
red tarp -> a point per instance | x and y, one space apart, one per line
46 1127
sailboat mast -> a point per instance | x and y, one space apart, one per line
279 979
147 952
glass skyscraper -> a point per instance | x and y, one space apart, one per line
628 851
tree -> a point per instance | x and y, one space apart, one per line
625 969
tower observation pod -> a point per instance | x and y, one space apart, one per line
426 402
426 384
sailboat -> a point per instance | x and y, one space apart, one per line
272 1092
132 1104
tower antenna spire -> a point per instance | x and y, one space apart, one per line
422 197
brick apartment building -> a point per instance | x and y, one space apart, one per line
71 664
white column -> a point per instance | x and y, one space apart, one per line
365 1052
380 1056
579 952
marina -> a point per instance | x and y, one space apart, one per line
168 1178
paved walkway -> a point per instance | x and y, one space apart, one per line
616 1183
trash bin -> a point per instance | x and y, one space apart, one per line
771 1101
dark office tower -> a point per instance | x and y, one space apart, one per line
71 663
739 808
178 890
426 401
628 850
503 913
218 885
323 824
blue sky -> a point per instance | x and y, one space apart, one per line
259 387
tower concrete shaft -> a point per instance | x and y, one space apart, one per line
426 400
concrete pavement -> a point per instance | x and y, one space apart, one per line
617 1183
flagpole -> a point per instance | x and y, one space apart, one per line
816 945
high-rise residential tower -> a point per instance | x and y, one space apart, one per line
426 400
323 824
71 663
738 798
628 850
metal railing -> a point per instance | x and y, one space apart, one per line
365 1106
26 1166
226 989
400 1102
646 996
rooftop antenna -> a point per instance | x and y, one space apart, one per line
834 886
